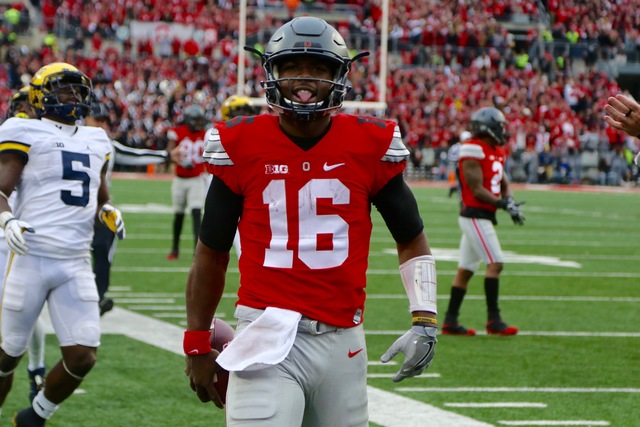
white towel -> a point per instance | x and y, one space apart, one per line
264 342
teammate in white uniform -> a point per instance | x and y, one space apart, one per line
58 170
19 107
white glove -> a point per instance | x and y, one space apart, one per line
13 229
418 346
112 219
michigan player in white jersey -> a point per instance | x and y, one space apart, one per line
58 170
20 107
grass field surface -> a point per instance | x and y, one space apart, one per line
571 284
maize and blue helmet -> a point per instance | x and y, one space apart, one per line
60 90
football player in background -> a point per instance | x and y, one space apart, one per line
188 189
237 105
484 188
62 190
623 113
301 184
104 240
20 107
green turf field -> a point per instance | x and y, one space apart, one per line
571 284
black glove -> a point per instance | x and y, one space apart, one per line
512 208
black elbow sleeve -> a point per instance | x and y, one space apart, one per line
399 210
220 220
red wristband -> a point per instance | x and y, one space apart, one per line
196 343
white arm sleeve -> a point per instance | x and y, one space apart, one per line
420 282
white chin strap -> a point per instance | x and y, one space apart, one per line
421 283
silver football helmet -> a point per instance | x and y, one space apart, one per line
490 121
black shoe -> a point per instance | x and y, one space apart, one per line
36 382
28 418
106 304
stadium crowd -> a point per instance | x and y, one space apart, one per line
445 63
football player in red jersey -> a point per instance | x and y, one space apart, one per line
299 186
484 189
186 143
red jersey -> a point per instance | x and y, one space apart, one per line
191 145
305 227
492 161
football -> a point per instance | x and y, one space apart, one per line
221 334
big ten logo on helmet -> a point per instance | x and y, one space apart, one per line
276 169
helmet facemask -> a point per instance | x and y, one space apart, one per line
65 94
337 90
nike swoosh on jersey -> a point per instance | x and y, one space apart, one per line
328 168
354 353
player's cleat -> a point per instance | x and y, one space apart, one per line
172 256
457 329
106 304
36 382
28 418
498 327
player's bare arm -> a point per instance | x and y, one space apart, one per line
505 187
418 246
11 166
205 285
103 191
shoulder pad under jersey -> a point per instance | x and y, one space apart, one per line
471 151
397 151
214 152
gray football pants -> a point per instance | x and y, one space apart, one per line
322 382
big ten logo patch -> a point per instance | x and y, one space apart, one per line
276 169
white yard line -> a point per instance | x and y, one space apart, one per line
495 405
585 423
516 390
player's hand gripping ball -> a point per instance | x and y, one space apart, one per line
221 335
